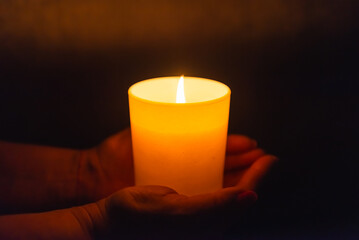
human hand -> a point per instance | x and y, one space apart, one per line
106 168
245 164
157 207
160 212
140 212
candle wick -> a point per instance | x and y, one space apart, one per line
180 98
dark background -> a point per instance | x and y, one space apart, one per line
65 67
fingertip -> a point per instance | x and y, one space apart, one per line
252 195
247 198
257 171
266 162
273 158
254 143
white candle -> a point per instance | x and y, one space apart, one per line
179 133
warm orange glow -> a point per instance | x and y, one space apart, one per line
181 146
180 97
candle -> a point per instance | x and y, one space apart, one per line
179 132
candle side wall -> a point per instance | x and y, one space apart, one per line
180 146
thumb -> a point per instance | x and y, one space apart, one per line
218 200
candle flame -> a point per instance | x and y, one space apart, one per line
180 98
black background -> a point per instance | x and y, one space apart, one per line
65 67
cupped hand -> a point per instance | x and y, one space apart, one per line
106 168
245 165
115 156
149 209
158 212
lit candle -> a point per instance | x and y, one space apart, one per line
179 132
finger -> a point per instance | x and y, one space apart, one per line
242 160
211 202
239 143
255 173
232 178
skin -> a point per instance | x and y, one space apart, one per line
245 164
103 178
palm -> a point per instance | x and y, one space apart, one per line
147 210
145 206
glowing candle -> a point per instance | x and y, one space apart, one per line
179 132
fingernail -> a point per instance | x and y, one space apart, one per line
247 199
